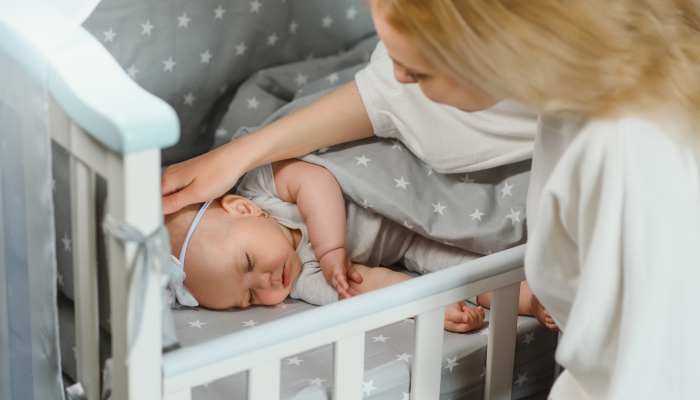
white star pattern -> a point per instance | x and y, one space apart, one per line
189 99
404 357
253 103
365 204
316 381
255 6
326 22
132 71
451 363
196 324
362 160
250 323
438 208
66 242
484 331
272 39
397 145
169 64
332 78
448 243
380 338
219 12
206 56
146 28
281 305
476 215
521 379
323 150
467 179
430 169
60 279
402 183
350 13
221 132
483 373
405 223
240 48
368 387
293 26
295 360
301 79
223 88
109 35
183 21
506 189
529 337
514 216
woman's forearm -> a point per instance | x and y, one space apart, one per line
337 117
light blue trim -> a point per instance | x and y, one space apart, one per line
96 93
192 357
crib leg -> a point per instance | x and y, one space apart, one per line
427 362
500 355
349 367
264 382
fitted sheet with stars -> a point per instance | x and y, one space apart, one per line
388 357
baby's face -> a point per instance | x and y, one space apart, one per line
245 259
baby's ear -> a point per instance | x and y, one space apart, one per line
238 205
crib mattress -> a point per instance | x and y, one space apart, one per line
388 357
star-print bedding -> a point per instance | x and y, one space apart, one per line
388 357
482 211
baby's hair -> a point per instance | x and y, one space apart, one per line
597 58
179 222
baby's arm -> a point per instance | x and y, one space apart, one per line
320 201
458 317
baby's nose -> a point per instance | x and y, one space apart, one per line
264 280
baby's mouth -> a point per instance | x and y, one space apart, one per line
285 276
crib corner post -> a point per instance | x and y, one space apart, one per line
500 354
134 197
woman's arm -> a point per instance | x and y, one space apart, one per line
338 117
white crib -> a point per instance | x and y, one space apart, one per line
113 128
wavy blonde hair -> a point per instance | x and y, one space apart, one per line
598 58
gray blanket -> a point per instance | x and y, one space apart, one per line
483 211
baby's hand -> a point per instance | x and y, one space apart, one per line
461 318
336 268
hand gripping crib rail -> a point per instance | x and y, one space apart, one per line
114 128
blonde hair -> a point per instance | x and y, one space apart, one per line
597 58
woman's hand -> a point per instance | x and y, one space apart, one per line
198 180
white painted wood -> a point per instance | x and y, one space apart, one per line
500 353
183 395
427 360
208 373
88 150
59 124
85 277
134 197
349 367
264 381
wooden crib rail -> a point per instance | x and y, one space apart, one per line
345 323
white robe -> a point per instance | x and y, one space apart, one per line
615 258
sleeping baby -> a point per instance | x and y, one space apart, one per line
290 232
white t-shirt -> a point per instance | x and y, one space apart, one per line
615 258
446 138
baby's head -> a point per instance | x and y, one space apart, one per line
236 256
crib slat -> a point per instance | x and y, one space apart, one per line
183 395
427 360
500 354
348 367
85 277
264 382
